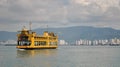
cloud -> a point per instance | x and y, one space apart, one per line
58 13
94 11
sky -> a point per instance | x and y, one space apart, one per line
14 14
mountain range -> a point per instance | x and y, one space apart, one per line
70 34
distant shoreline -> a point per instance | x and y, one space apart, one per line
7 44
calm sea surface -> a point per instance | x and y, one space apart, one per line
64 56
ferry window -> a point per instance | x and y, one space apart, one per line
24 37
38 43
35 43
24 43
42 42
53 43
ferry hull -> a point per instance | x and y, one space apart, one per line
38 47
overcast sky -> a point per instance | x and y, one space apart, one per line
14 14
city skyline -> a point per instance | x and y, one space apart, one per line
85 42
15 14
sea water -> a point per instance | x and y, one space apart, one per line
63 56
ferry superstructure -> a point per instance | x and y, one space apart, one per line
27 39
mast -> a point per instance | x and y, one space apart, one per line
30 23
47 28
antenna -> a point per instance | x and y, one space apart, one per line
47 28
30 23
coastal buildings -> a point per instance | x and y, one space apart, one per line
63 42
103 42
10 42
83 42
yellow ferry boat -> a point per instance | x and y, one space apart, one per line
30 40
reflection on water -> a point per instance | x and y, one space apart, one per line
32 53
35 58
